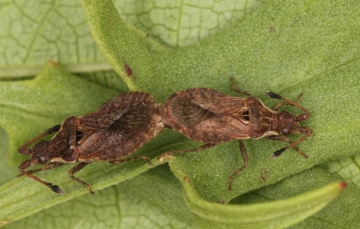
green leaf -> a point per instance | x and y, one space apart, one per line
181 23
348 168
341 213
6 171
278 213
34 33
135 49
58 30
287 47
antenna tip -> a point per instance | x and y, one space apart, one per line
57 189
273 95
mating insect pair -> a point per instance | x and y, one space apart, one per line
126 122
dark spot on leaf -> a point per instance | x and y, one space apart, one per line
263 175
272 29
128 71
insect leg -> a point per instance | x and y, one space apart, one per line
131 159
246 162
285 139
24 150
233 86
45 167
200 148
277 106
77 168
27 163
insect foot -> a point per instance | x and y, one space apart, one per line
117 129
212 117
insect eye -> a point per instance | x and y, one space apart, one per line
286 131
42 160
246 115
79 135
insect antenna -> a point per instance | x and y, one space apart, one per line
299 118
24 150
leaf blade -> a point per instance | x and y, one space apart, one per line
278 214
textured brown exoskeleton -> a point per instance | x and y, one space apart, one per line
118 128
213 117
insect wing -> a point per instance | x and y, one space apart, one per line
181 111
135 120
103 145
206 115
224 128
125 135
113 110
214 101
221 105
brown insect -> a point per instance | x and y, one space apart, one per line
213 117
118 128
